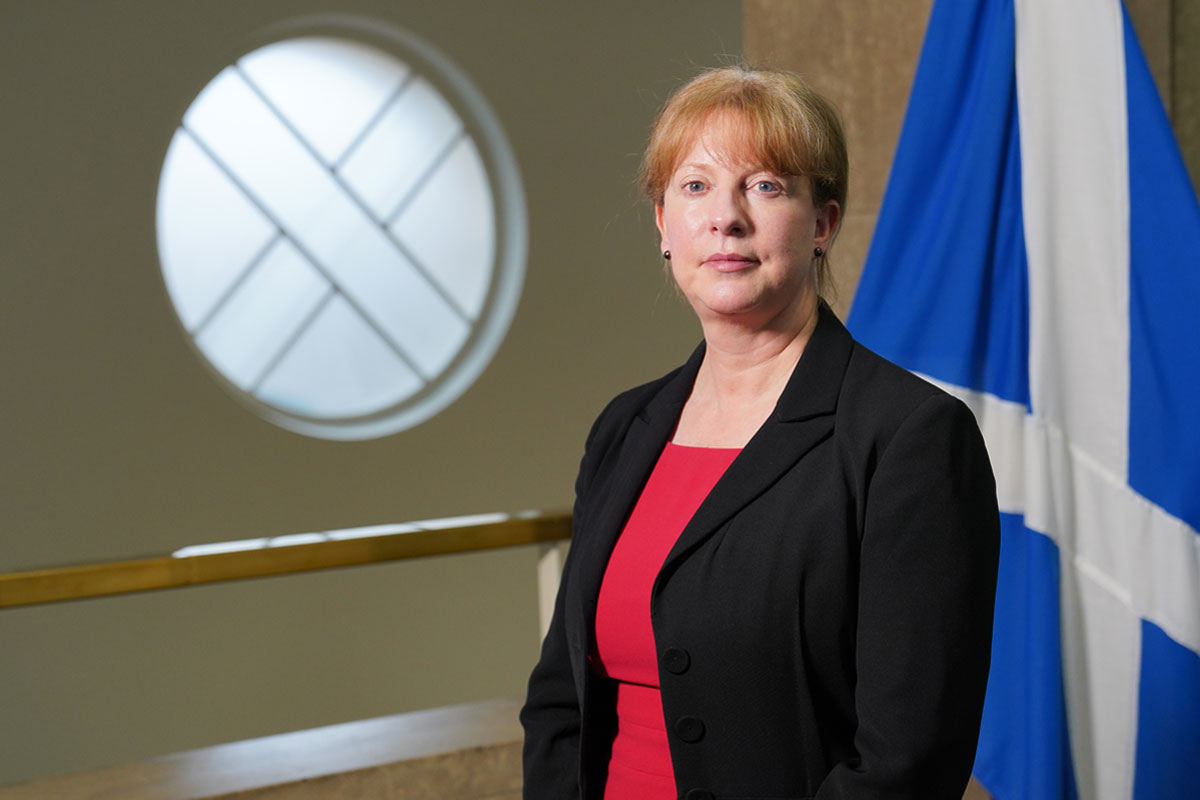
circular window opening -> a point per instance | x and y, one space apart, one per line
342 232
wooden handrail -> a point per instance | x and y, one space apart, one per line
429 538
470 750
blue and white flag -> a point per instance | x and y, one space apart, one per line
1038 254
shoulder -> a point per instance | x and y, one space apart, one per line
625 407
878 399
659 400
650 398
917 454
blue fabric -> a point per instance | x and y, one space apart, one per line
1168 742
1164 306
1024 749
1164 426
943 291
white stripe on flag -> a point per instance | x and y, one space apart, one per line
1130 559
1157 571
1075 199
1075 202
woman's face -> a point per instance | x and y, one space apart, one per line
741 237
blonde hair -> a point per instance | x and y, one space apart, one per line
792 131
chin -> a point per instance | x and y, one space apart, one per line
734 302
749 309
729 309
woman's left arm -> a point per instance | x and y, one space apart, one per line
927 577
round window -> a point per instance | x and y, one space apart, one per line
342 232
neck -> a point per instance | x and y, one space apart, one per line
741 378
754 363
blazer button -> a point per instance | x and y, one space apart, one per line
676 660
690 729
698 794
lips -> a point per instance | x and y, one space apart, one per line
729 262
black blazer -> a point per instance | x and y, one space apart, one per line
823 623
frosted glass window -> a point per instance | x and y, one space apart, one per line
321 378
342 231
409 140
327 88
217 230
263 313
457 249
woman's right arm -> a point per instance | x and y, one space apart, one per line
551 715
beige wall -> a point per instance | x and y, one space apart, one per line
118 444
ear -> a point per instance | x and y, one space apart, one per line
828 217
662 231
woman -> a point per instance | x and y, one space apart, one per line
781 578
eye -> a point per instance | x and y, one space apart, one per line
693 187
767 186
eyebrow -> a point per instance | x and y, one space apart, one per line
692 165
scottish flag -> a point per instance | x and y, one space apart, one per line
1038 254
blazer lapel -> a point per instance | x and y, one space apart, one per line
802 418
643 443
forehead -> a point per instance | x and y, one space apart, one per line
724 137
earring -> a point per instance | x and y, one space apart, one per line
818 252
666 255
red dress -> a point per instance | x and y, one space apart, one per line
625 652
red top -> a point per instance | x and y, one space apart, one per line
625 650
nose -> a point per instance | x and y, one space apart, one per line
727 214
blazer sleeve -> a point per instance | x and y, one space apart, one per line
552 715
927 578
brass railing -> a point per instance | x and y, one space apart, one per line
289 554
